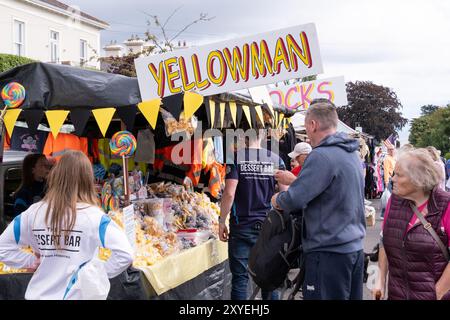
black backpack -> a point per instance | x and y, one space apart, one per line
277 250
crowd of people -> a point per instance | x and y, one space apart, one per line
57 204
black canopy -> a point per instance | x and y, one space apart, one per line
53 86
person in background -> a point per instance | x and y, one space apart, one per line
411 261
64 231
300 153
35 169
388 166
249 186
434 153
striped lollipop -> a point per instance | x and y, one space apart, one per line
123 143
13 94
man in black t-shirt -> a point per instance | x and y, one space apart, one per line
249 186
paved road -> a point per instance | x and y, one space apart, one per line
372 238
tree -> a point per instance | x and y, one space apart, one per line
428 109
374 107
125 65
432 129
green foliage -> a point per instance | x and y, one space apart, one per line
447 155
432 129
428 109
9 61
374 107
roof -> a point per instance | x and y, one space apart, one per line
63 6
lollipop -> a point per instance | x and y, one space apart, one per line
13 94
123 143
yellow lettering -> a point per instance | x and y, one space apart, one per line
260 58
238 63
184 75
201 84
295 51
172 75
281 56
160 79
218 80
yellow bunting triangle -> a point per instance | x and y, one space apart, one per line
247 115
10 119
280 118
103 118
233 111
56 119
192 101
222 113
212 108
150 110
286 123
275 119
259 113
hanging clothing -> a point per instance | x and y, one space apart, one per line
218 149
106 159
167 159
64 142
145 151
7 142
22 140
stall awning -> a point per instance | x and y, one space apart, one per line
54 86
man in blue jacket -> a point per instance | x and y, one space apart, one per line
330 191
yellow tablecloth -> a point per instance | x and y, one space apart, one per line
179 268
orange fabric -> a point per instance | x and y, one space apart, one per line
216 178
7 142
64 142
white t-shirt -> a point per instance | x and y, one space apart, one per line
51 280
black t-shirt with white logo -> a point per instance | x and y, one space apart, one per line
254 169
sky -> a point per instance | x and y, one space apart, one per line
400 44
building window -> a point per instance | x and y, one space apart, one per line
83 51
19 38
54 46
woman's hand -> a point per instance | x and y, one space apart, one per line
440 293
378 292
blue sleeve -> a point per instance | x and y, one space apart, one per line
315 177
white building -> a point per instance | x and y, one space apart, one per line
50 31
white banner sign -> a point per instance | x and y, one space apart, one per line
232 65
301 94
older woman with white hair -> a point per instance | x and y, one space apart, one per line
415 241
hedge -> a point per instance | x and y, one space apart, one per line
9 61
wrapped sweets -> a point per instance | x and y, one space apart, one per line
13 94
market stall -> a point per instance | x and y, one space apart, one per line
166 207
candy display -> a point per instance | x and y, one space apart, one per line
172 219
13 95
123 143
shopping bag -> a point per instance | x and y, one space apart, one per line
90 281
385 198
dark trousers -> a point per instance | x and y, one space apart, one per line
333 276
239 244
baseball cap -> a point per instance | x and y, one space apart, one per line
300 148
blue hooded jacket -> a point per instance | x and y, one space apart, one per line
330 189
